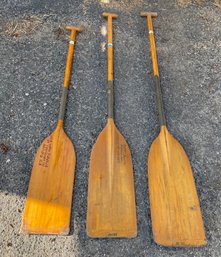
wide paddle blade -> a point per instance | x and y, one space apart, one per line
48 204
175 209
111 197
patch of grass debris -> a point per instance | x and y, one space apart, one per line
22 26
217 3
185 3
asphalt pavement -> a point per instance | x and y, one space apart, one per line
33 52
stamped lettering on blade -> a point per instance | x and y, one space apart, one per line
112 234
121 153
45 153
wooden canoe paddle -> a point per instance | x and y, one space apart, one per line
48 204
175 209
111 197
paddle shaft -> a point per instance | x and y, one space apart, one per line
156 77
110 76
67 75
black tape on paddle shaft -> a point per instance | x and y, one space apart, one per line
159 101
110 99
63 103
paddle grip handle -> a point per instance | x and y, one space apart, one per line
156 78
152 42
67 75
109 17
110 76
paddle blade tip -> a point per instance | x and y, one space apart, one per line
41 217
112 234
29 226
180 242
42 231
39 232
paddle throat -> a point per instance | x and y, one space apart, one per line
67 75
63 103
60 124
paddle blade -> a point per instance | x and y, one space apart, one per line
175 209
111 197
48 204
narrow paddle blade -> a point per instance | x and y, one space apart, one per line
111 198
48 204
175 209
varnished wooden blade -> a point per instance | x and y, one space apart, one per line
175 209
111 197
48 204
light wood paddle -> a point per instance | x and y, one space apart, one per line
111 197
175 209
48 204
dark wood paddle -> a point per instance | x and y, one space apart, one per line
48 204
175 209
111 197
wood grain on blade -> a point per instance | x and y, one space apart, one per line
111 197
48 204
175 209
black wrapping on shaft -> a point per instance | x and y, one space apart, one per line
159 101
110 99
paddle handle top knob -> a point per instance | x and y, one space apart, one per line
73 28
109 14
146 14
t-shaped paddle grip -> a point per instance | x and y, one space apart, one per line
73 30
109 14
146 14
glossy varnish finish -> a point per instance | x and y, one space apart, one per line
48 204
111 199
175 209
